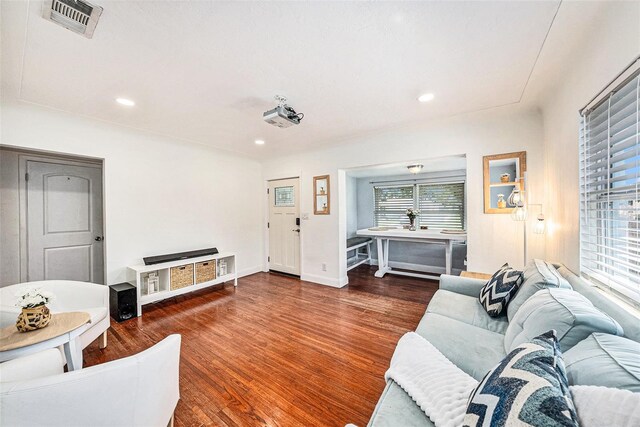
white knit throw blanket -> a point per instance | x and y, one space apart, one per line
437 386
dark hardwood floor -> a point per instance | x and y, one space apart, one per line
277 351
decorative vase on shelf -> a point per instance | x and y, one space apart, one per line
502 203
33 318
412 224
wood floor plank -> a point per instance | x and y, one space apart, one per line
276 351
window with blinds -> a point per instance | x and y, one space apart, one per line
391 204
609 191
441 205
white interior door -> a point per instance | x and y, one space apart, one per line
64 222
284 232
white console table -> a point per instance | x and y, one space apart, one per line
419 236
136 275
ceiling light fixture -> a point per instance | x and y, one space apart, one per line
415 168
259 142
426 97
126 102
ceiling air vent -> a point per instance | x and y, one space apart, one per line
76 15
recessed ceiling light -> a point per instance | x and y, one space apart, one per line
259 142
125 101
426 97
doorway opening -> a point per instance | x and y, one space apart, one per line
52 227
284 226
412 213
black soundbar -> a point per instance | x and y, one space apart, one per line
150 260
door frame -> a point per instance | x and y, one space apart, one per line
23 158
265 259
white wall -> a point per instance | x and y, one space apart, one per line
161 195
9 219
352 206
612 42
493 239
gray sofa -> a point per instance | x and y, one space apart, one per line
457 324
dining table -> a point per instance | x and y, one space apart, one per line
384 235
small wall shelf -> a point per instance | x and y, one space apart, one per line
509 166
321 195
503 184
138 273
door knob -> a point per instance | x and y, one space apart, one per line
296 229
99 238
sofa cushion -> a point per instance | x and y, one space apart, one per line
396 408
566 311
628 319
496 294
599 353
465 309
474 350
528 387
537 275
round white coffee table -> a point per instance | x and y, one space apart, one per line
63 330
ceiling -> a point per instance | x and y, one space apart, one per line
434 164
205 71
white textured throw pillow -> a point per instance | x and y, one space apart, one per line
605 406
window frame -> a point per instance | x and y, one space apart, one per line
600 255
416 199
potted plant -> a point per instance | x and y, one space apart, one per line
35 314
412 214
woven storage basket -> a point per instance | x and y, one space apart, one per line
181 276
205 271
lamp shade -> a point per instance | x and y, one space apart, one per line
519 213
515 197
539 227
415 168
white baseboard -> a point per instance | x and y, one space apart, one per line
418 267
327 281
249 271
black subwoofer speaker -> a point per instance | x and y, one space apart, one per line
123 301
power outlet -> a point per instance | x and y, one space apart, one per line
324 266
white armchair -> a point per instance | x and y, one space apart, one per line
141 390
69 296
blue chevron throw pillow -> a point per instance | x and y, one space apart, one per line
529 387
496 294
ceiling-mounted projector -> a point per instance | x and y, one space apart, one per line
283 115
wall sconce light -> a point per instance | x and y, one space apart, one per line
539 227
414 169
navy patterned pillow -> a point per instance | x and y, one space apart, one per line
528 387
496 294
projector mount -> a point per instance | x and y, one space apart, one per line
282 103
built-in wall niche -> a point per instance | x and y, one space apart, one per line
503 173
321 199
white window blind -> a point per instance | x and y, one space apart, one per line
391 204
441 205
609 191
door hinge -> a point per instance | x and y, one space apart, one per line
267 191
268 259
26 176
268 225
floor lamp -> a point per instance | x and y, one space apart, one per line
519 213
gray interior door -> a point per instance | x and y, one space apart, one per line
64 222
